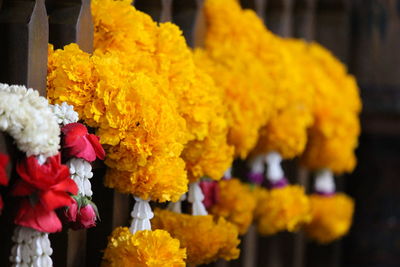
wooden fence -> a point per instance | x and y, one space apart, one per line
26 26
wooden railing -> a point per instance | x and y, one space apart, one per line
25 30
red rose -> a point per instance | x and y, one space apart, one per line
210 191
77 142
48 187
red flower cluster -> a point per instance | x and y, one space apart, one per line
3 175
46 187
78 143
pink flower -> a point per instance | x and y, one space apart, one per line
71 212
77 142
86 218
81 214
211 193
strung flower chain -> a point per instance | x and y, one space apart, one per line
81 148
32 248
27 117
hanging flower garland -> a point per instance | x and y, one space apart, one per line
331 143
44 183
331 212
79 149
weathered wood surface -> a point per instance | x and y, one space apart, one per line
70 21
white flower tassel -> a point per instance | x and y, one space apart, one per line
31 248
324 182
177 206
274 168
228 174
196 197
81 172
257 164
141 214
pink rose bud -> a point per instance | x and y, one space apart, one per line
71 212
86 218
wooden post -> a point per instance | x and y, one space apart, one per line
279 16
184 16
304 24
23 46
166 11
70 21
200 26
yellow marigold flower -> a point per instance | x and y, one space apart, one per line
334 135
331 217
233 58
71 77
283 209
205 239
261 195
236 203
286 131
118 26
159 180
143 249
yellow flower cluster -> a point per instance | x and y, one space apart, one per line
205 239
162 52
143 249
232 56
286 131
334 134
236 203
331 217
139 127
282 209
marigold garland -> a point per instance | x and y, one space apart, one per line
236 203
282 209
144 249
331 217
205 239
